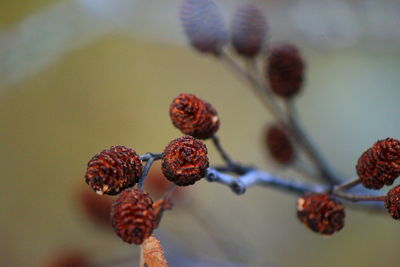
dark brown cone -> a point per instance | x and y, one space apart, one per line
279 145
321 213
248 31
380 164
194 116
132 215
285 70
203 25
113 170
185 161
392 202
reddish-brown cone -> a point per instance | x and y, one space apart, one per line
285 70
279 145
185 161
248 31
380 164
133 216
392 202
321 213
96 208
113 170
203 25
194 116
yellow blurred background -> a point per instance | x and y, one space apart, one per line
116 89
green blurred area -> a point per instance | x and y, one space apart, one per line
14 11
116 91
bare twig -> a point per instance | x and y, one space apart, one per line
150 158
257 177
262 91
347 185
232 165
309 148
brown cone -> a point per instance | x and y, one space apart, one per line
113 170
132 214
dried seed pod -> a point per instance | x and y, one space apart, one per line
392 202
132 215
113 170
203 25
285 70
194 116
321 213
185 161
380 164
279 145
248 31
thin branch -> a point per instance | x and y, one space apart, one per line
257 177
232 165
150 155
309 148
150 158
356 198
255 85
347 185
262 90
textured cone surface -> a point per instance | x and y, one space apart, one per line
392 202
194 116
279 145
203 25
248 31
132 214
113 170
285 70
380 164
321 213
185 161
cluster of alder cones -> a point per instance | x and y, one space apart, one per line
119 170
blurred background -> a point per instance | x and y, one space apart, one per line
77 76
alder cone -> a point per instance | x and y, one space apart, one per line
380 164
133 217
285 70
185 161
203 25
113 170
279 145
321 213
248 31
392 202
194 116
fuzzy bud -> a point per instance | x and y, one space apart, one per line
133 217
392 202
194 116
185 161
321 213
285 70
113 170
203 25
248 31
380 164
279 145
